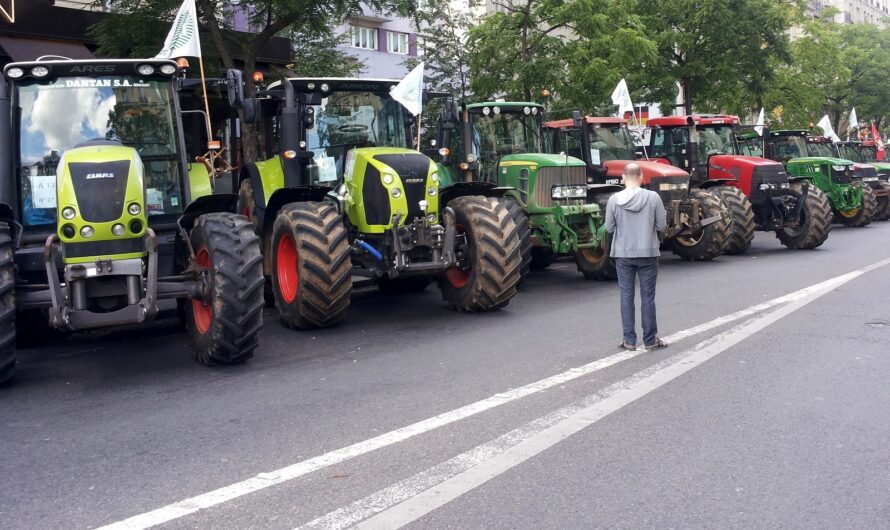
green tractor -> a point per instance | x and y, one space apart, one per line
498 146
853 202
875 174
99 222
340 193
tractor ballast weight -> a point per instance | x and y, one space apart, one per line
499 145
697 223
341 193
759 193
102 224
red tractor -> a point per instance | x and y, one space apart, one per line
759 193
698 224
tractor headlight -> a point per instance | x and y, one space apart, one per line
496 110
68 213
471 158
40 71
526 111
118 229
87 231
431 191
145 69
673 186
486 111
15 73
387 178
568 192
168 69
134 209
396 193
435 177
534 110
838 168
325 87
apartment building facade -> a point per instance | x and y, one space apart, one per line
382 42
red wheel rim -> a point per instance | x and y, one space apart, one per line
203 311
458 278
286 268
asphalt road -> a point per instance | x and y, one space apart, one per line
408 414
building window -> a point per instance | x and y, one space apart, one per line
364 38
397 42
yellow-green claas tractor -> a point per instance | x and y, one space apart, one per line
339 192
98 221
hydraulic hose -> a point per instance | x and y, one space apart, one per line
370 248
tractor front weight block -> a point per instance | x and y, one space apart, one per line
420 234
69 309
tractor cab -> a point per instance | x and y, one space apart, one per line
95 183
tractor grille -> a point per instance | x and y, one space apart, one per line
412 169
865 171
103 248
842 177
771 174
549 176
668 188
375 199
100 188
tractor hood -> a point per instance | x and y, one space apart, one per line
539 159
736 166
864 170
651 170
821 159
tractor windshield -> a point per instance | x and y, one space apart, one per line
869 153
850 152
612 142
346 120
58 115
821 149
787 147
716 140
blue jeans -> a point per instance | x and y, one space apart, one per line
647 270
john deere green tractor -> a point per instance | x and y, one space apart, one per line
339 193
98 222
852 201
874 174
498 146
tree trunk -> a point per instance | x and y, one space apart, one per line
687 95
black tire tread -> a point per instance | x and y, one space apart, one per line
495 254
325 268
741 219
715 236
520 219
7 306
817 218
237 289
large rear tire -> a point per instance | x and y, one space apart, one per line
741 217
710 241
225 328
815 221
311 265
7 307
488 272
862 216
595 263
520 219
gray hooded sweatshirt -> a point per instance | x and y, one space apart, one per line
633 217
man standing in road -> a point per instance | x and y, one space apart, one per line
634 217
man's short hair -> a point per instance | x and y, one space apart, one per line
633 171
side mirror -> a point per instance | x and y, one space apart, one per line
253 112
576 118
235 85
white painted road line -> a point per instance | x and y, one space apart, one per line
411 499
268 479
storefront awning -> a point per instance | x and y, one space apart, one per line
30 49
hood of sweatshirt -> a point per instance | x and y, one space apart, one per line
631 199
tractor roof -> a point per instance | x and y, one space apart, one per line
338 84
595 120
698 119
790 132
472 106
61 67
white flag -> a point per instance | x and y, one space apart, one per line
854 121
827 129
621 97
183 41
760 123
409 91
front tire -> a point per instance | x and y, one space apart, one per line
520 219
710 241
225 328
815 221
311 265
7 307
741 216
882 207
596 263
862 216
488 272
